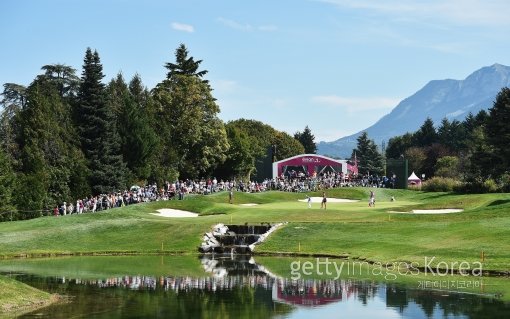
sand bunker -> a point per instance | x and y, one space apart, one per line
175 213
249 204
431 211
437 211
330 200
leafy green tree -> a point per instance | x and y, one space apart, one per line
447 166
259 138
416 158
307 139
398 145
96 123
240 157
433 153
370 161
286 146
250 142
194 137
498 132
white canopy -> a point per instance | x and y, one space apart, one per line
413 177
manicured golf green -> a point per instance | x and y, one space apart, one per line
344 229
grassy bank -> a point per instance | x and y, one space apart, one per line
16 298
344 229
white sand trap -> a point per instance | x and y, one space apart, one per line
437 211
249 204
175 213
431 211
330 200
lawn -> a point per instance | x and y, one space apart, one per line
352 230
16 298
344 229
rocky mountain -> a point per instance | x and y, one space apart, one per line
453 99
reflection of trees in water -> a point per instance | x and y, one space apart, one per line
245 291
445 303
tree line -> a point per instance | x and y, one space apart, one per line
472 155
65 136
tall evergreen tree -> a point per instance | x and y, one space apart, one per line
452 135
498 132
97 127
137 136
426 135
184 65
307 139
13 101
370 161
45 148
7 185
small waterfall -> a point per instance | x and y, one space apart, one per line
235 239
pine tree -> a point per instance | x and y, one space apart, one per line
184 65
498 132
97 127
137 136
426 135
370 161
307 139
7 184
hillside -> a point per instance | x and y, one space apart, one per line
453 99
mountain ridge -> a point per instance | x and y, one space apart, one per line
438 99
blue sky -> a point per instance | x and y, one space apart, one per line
334 65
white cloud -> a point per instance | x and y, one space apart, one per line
466 12
235 25
356 104
245 26
183 27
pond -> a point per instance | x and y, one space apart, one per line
206 287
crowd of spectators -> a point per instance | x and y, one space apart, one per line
180 189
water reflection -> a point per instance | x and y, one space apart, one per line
241 288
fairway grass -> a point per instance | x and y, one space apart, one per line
351 230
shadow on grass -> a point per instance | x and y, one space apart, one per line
499 202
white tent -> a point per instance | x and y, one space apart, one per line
414 180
